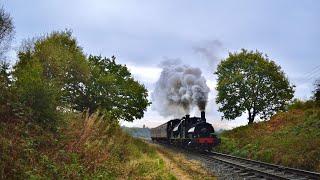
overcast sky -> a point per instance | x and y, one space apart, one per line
141 34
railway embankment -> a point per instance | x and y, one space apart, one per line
82 147
289 138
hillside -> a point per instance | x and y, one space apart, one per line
83 147
289 138
137 132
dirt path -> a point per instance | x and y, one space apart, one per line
174 168
181 167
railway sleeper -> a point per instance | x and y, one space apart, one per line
251 177
246 173
231 176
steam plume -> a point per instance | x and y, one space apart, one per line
210 50
179 89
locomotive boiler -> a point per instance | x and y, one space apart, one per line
190 132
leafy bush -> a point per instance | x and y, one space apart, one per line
299 104
317 93
38 97
6 95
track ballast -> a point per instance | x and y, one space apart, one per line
251 169
231 167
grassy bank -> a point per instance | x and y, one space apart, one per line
190 168
82 147
290 138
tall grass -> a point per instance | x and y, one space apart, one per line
84 146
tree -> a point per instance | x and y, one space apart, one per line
4 74
38 97
112 88
6 32
250 82
57 62
46 68
6 35
62 60
5 106
317 93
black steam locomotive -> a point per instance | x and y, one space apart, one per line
190 132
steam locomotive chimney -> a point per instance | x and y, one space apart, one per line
187 116
203 116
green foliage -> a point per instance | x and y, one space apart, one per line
289 138
37 95
249 81
84 147
6 32
299 104
317 93
137 132
6 95
62 61
112 88
4 74
296 104
53 73
51 79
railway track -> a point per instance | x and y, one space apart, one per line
231 167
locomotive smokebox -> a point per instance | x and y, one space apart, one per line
203 116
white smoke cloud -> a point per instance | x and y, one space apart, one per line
210 51
179 89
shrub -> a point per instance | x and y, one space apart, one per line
317 93
38 97
5 109
299 104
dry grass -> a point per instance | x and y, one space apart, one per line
190 168
84 147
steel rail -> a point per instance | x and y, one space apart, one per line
286 170
247 170
250 169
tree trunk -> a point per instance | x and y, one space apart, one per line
251 117
250 121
